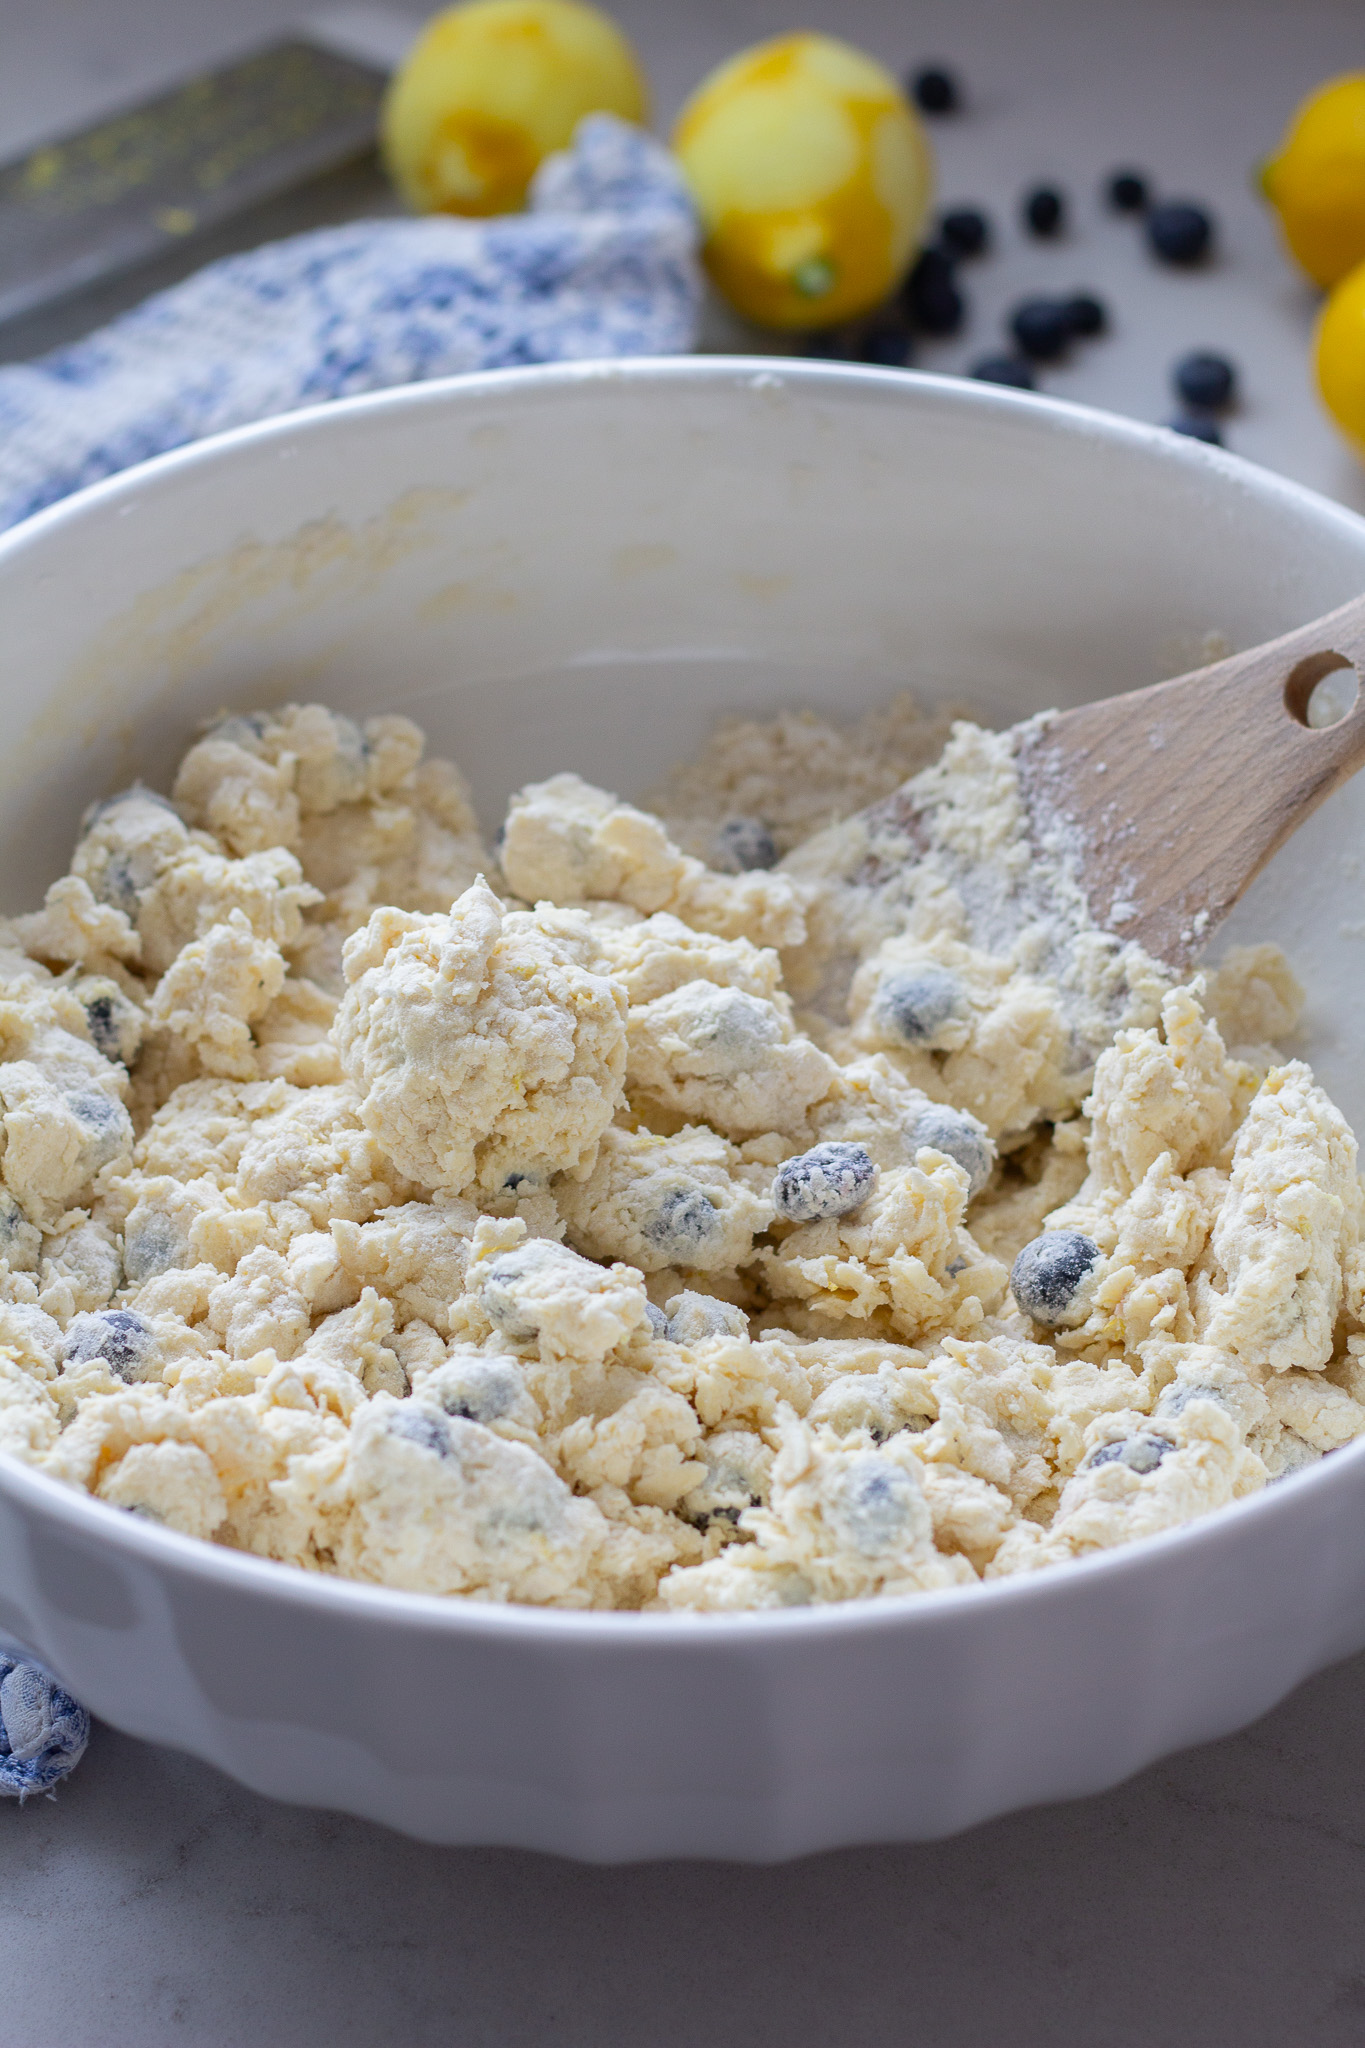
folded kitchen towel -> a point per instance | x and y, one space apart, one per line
603 264
43 1732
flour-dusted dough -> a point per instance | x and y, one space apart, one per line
386 1207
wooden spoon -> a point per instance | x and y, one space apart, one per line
1169 801
1178 795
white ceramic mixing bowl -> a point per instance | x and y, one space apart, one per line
577 568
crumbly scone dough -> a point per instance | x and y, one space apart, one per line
631 1218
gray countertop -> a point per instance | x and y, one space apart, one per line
1220 1897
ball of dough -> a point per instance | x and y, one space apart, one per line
485 1046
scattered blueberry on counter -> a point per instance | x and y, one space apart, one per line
1044 211
1197 427
935 90
1206 381
1178 231
1126 191
964 231
1088 315
1002 369
930 294
1042 328
888 343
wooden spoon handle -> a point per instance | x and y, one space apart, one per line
1176 796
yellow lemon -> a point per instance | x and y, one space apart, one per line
491 88
812 178
1317 182
1340 356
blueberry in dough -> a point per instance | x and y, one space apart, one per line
684 1222
99 1013
960 1137
658 1321
736 1030
698 1316
151 1244
744 843
20 1241
916 1002
117 1335
876 1503
1141 1454
419 1426
481 1391
1049 1273
830 1180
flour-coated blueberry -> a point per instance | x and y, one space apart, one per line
743 844
960 1137
1049 1273
117 1335
830 1180
696 1317
914 1003
684 1223
1141 1454
419 1426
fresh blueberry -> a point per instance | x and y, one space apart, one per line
419 1426
684 1223
1141 1454
1179 231
743 844
935 90
696 1317
1011 370
1042 328
826 344
1204 380
117 1335
1044 211
889 343
1087 315
930 294
914 1003
1049 1273
1126 191
958 1136
965 231
829 1180
658 1321
1197 428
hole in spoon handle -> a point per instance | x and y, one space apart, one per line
1322 689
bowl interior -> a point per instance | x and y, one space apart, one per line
581 567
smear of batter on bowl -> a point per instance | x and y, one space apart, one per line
729 1204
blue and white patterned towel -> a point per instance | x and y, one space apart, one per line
43 1732
603 264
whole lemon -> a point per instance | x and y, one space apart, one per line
1317 182
1339 352
812 178
491 88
